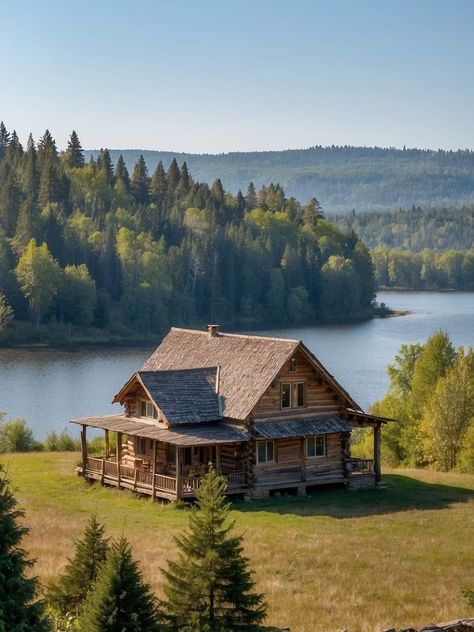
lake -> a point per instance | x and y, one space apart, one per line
50 386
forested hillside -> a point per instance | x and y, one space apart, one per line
420 249
414 229
88 244
342 178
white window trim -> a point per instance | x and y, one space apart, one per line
154 412
316 456
265 441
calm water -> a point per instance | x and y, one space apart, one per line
51 386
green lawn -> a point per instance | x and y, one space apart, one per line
357 560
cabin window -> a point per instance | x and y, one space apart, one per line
171 454
141 445
293 366
286 395
265 452
293 395
147 410
315 446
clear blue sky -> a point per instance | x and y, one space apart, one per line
224 75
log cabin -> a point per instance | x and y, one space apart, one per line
264 411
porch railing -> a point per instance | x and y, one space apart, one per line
132 475
360 466
104 469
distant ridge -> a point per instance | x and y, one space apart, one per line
341 177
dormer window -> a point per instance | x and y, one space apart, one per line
293 365
292 395
147 410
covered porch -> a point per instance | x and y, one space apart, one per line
165 463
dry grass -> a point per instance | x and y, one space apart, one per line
356 560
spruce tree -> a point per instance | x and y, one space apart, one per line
251 198
4 139
19 612
121 600
104 164
209 587
70 590
121 173
74 152
140 181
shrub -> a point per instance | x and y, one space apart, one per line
61 443
15 436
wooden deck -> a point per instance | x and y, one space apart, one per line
108 472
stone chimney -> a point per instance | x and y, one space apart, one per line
213 330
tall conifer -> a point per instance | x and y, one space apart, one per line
19 612
69 591
209 587
140 181
74 152
121 173
121 600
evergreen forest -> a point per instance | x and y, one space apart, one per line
87 246
345 177
418 249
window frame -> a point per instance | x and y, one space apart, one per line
315 439
293 386
148 405
266 443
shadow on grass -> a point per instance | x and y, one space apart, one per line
402 493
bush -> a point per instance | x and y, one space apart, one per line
96 446
15 436
61 443
466 454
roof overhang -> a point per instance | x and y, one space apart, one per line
359 419
296 428
190 435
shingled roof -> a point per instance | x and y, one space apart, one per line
183 395
248 364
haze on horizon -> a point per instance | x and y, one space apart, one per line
212 77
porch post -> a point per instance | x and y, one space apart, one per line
218 459
119 456
84 449
153 472
377 442
302 459
107 444
178 473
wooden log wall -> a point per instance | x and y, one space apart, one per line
320 399
290 468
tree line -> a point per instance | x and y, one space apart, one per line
345 177
431 399
425 270
86 244
416 229
208 587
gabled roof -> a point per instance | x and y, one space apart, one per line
183 395
248 364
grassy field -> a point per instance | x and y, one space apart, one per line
334 560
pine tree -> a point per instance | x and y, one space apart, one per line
121 173
173 178
140 181
19 612
4 139
104 164
312 213
121 600
251 197
209 587
74 153
70 590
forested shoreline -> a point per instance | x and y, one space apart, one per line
418 249
87 249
